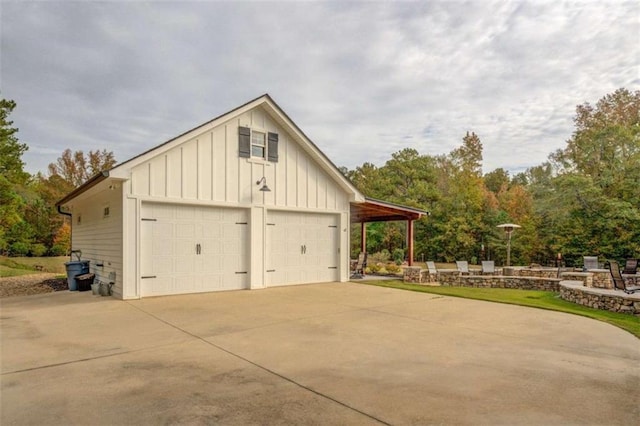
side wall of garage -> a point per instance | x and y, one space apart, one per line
97 232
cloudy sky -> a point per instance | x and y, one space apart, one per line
362 79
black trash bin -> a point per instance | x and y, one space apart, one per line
84 281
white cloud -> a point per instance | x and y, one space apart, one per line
363 80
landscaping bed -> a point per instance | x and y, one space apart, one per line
26 285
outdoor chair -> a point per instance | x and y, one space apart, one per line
463 266
590 262
630 267
618 281
358 272
433 271
488 267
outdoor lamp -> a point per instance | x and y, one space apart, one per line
508 228
264 188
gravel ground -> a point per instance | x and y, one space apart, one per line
26 285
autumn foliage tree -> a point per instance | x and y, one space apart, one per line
29 221
585 200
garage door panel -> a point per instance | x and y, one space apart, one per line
213 230
301 247
191 249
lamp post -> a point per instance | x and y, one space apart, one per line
508 228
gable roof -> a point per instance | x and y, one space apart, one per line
273 109
121 171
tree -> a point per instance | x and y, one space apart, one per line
76 168
11 150
13 229
462 216
468 157
496 180
591 205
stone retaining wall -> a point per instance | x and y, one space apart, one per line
491 281
622 303
412 274
536 272
575 287
585 277
416 275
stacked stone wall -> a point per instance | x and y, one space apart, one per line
575 287
496 281
626 304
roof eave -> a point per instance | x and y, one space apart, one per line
84 187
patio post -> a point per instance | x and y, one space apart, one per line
410 241
363 237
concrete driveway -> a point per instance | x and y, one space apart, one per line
314 354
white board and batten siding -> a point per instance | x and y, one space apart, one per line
97 232
207 168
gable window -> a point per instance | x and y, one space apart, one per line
258 146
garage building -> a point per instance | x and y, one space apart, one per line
244 201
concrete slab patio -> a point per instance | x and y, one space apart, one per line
315 354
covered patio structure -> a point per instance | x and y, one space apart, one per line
373 210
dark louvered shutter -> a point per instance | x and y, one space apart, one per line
272 147
244 142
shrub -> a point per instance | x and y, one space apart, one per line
19 249
37 250
59 250
383 270
398 256
392 268
374 268
380 257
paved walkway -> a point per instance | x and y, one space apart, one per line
316 354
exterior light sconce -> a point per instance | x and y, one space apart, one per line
264 188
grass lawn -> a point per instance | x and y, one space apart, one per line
13 266
531 298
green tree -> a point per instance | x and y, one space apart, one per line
496 180
13 178
463 214
11 149
591 204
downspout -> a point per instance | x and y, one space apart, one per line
70 227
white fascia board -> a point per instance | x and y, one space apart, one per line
279 115
122 170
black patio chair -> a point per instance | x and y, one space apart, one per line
630 267
618 281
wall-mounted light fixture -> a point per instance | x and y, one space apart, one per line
264 188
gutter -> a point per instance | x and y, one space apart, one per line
82 188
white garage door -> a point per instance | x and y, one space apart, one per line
191 249
302 248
